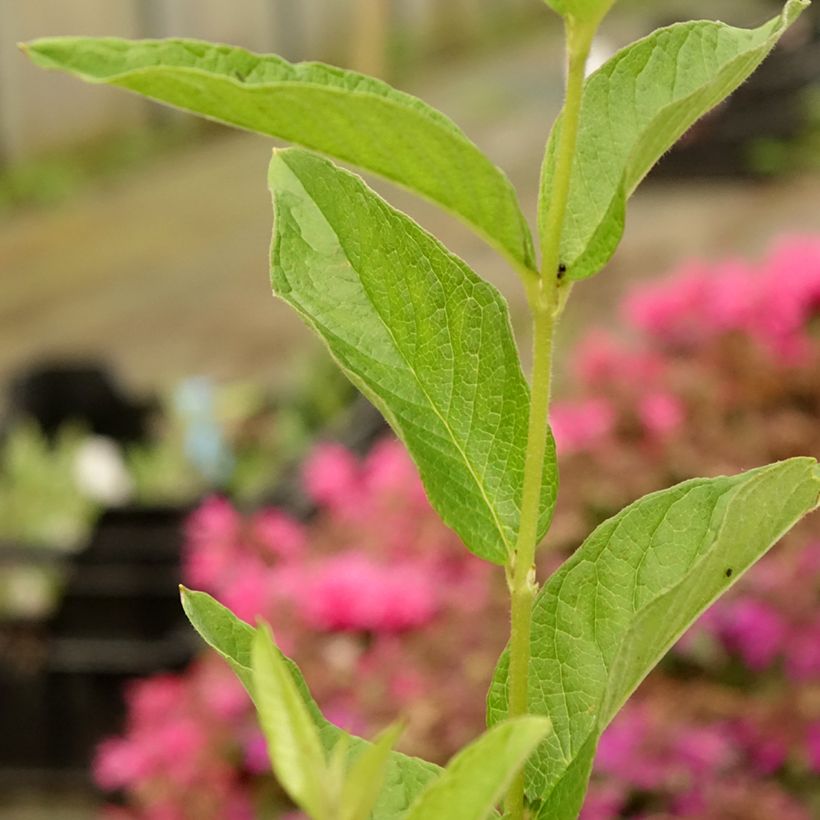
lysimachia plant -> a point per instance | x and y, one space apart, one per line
430 344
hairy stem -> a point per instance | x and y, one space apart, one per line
546 302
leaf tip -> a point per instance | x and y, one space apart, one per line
794 8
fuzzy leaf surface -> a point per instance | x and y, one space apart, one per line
634 108
477 777
420 334
340 113
609 614
404 777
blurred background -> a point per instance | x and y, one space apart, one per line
163 419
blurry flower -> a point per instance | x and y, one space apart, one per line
151 700
604 802
351 592
813 746
803 652
256 757
280 535
660 413
581 425
332 477
671 310
119 764
754 630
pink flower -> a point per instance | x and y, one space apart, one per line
598 359
581 425
813 746
223 696
754 630
211 533
151 700
332 478
731 299
214 520
388 468
350 592
671 311
621 752
249 593
257 760
120 763
803 653
603 802
660 413
766 751
703 749
281 536
176 749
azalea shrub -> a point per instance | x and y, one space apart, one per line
372 595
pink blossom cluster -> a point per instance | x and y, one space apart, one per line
177 755
374 597
633 390
383 572
345 591
721 375
623 389
772 622
654 756
772 302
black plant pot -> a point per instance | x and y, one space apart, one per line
61 681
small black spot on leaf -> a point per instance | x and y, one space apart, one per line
729 572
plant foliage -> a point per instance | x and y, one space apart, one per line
430 343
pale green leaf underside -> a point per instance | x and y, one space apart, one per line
477 777
346 115
292 736
629 592
405 777
634 109
419 333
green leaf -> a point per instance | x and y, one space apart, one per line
634 109
346 115
293 740
405 777
477 777
419 333
627 594
366 775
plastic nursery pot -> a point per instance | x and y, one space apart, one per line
61 679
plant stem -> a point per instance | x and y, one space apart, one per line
545 302
579 40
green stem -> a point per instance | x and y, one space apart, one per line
579 40
546 300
